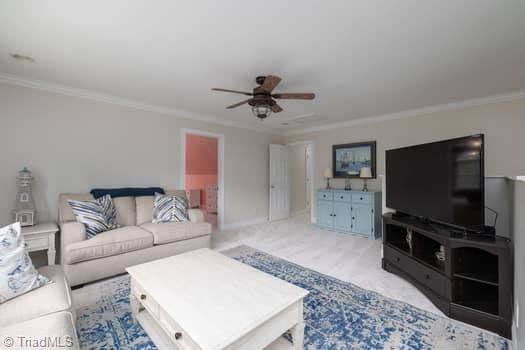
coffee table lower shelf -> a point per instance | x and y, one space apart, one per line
164 342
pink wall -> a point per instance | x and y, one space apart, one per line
201 155
201 163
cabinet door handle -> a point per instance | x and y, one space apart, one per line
361 198
353 217
178 335
427 276
342 197
143 297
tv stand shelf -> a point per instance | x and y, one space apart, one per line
473 283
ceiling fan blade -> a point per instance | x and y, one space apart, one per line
276 108
295 96
239 104
234 91
270 82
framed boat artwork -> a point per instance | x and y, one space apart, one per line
348 159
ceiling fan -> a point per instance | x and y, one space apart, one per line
262 100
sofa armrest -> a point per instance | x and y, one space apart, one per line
70 232
196 215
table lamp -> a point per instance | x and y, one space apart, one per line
365 174
328 176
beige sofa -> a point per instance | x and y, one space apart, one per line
138 240
40 313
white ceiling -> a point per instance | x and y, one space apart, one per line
361 58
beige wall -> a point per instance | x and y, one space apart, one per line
519 261
298 177
502 123
74 144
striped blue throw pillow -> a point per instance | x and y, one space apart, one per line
97 215
170 208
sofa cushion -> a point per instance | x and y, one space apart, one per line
144 206
64 210
126 211
167 232
51 298
114 242
58 326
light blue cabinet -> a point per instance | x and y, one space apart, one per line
356 212
341 213
325 214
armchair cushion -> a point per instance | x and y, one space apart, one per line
59 325
53 297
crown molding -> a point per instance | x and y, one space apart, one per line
135 104
182 114
413 113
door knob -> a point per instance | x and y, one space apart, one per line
272 186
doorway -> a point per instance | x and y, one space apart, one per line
301 171
202 173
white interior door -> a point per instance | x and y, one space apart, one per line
279 183
308 163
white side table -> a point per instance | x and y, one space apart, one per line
41 237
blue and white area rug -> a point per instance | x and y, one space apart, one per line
338 315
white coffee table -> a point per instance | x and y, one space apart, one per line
205 300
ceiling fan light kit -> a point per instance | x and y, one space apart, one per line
262 101
262 111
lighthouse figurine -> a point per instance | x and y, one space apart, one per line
24 211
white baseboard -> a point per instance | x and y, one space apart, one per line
240 224
300 212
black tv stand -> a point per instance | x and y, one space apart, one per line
473 283
400 215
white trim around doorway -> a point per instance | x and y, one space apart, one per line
313 200
182 177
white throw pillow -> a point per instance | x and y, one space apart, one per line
17 273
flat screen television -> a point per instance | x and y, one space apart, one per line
440 181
